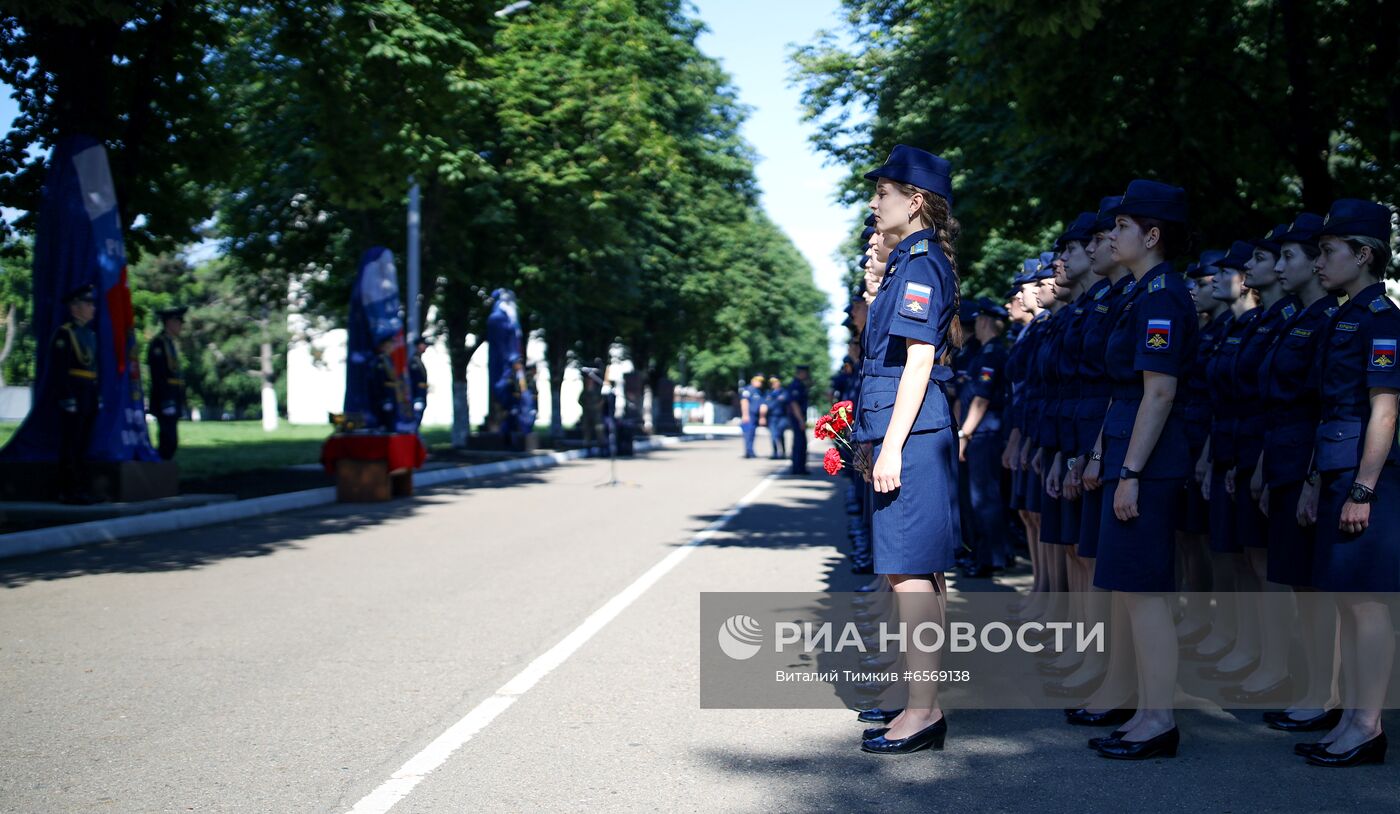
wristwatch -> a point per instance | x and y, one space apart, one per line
961 434
1072 462
1313 477
1095 455
1128 474
1361 493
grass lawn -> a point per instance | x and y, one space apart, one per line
209 448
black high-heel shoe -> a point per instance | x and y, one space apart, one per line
1095 743
1193 654
931 736
1372 751
878 716
1319 723
874 732
1112 717
1310 748
1163 745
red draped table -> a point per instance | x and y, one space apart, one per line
373 467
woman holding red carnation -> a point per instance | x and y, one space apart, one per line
903 409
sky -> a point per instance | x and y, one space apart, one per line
751 39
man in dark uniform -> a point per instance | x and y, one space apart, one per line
74 391
418 379
797 415
167 379
750 396
775 412
386 390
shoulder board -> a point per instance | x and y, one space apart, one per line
1102 292
1379 304
1157 284
1348 326
1331 311
1289 311
919 248
1128 289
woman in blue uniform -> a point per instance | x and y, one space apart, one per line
1145 456
1288 384
910 335
980 437
1233 640
1264 675
1356 484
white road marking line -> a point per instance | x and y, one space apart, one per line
403 781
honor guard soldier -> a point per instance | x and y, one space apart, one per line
418 379
775 407
74 390
167 379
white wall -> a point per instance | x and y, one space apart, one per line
15 402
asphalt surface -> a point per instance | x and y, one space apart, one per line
294 663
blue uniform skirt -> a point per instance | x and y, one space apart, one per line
1140 555
1070 521
1090 518
1369 561
1221 515
1251 526
1292 547
917 529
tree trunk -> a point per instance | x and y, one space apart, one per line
556 354
269 389
11 328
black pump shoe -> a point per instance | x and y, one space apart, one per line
874 732
1163 745
930 736
1112 717
878 716
1311 748
1372 751
1320 723
1095 743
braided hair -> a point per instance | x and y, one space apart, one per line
937 215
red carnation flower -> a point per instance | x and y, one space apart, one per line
842 406
831 462
823 429
839 424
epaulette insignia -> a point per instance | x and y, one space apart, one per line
1157 284
1378 305
1128 289
919 248
1102 292
1289 311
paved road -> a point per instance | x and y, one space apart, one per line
295 663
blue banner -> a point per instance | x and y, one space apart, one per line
79 241
376 313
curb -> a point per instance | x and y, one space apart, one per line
56 538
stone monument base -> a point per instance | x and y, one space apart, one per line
114 481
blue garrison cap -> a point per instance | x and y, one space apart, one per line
989 308
1304 229
1354 217
967 311
865 234
870 219
1240 253
910 165
1044 266
1103 219
1272 242
1209 261
1082 230
1153 199
1193 270
864 259
1030 268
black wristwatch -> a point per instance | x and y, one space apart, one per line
1095 455
1361 493
1128 474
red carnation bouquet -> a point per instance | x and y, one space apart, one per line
836 426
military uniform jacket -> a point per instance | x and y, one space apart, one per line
1357 354
1091 373
1254 346
167 377
915 301
418 378
988 374
1018 362
1289 384
1220 376
73 355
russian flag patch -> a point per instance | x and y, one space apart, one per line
986 374
1382 354
915 302
1159 334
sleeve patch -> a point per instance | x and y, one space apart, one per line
986 374
915 302
1382 354
1159 334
